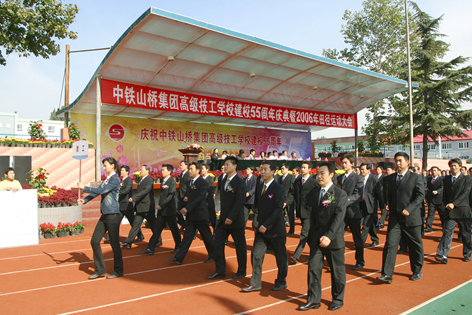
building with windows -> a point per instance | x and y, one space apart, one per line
12 126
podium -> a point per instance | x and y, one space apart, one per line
190 155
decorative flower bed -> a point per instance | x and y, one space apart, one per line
42 143
48 230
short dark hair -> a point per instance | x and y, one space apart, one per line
293 152
198 166
464 167
284 151
232 159
252 150
285 165
251 167
273 151
412 168
271 164
350 157
455 160
310 165
111 161
367 165
435 167
380 167
389 167
241 151
296 168
147 167
206 166
224 151
324 163
185 162
169 167
126 167
8 169
404 154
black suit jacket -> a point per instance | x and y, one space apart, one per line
437 186
184 180
232 204
327 221
251 189
353 187
373 194
408 195
220 182
196 200
302 195
211 185
126 192
288 186
167 198
458 193
269 210
144 198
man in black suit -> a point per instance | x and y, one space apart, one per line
287 180
250 191
143 201
165 212
389 170
457 189
352 184
231 221
303 188
210 199
197 216
434 196
183 185
269 226
126 192
405 195
326 239
371 196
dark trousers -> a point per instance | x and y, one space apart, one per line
355 226
180 217
258 252
369 224
238 235
129 214
291 218
383 217
415 243
335 258
432 208
448 231
190 230
303 238
159 226
247 209
136 227
110 223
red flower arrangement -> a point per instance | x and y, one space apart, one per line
47 228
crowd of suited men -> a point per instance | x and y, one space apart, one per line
361 200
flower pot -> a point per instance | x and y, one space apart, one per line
62 234
81 231
74 232
48 235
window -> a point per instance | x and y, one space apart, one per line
352 147
19 127
447 145
326 149
431 146
417 147
463 145
51 129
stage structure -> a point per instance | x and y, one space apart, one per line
170 81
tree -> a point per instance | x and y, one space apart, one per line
377 42
53 116
443 87
30 26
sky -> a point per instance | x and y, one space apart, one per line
33 86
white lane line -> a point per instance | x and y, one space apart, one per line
354 279
435 298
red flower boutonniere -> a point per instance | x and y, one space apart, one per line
270 196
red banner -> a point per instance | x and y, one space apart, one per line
119 93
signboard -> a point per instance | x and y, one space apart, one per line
119 93
80 150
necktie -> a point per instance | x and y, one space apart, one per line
191 182
322 193
264 190
434 180
399 179
344 179
303 181
453 179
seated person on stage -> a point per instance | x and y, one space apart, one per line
10 183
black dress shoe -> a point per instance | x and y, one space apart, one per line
216 275
416 276
113 276
385 278
358 266
269 251
251 289
158 244
139 238
147 252
126 245
209 260
466 259
374 244
308 306
428 230
174 251
402 251
95 276
238 276
294 260
381 226
279 287
335 306
178 262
